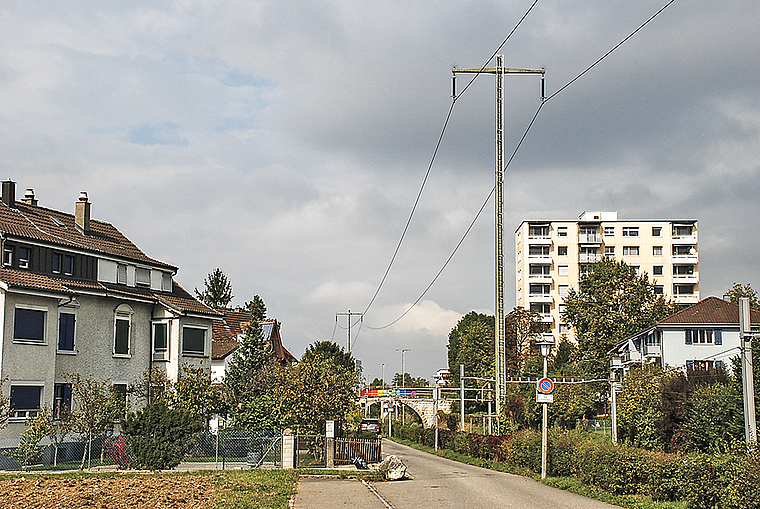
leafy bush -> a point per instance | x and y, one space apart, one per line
158 435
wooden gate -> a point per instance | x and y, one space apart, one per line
346 449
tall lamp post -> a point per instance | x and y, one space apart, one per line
546 343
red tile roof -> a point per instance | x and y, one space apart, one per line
711 310
227 331
51 226
178 299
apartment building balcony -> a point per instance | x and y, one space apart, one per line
546 318
689 258
540 297
689 298
589 238
686 278
543 240
540 278
686 240
589 257
545 259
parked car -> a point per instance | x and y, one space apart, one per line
371 425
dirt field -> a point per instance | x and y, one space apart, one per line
107 492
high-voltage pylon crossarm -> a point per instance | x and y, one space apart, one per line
499 71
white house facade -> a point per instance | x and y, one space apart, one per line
77 297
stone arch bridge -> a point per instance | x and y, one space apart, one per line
422 400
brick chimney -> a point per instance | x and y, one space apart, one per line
82 214
9 193
29 197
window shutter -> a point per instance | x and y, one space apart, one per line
719 337
687 335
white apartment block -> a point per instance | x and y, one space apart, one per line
551 256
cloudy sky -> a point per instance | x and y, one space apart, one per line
286 141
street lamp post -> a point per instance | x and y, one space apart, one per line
546 346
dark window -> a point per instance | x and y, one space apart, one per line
160 337
142 277
193 340
25 400
121 340
66 323
718 339
57 263
561 250
24 256
61 400
68 265
657 270
656 231
29 325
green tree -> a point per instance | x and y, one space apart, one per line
737 291
257 308
317 389
29 451
521 330
409 381
193 392
330 350
97 407
158 435
471 342
246 390
56 425
711 406
611 303
217 291
639 407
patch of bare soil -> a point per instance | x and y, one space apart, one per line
107 492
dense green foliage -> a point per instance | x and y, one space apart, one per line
330 350
158 435
611 303
217 290
256 308
718 481
471 343
738 290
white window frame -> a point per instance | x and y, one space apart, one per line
563 290
122 313
631 250
563 270
656 231
162 354
32 307
561 247
661 270
142 281
609 250
205 341
8 256
609 231
630 231
73 351
23 263
66 270
29 412
562 231
59 257
656 250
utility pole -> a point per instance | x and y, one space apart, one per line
499 71
748 375
403 381
349 314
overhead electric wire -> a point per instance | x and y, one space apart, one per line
432 161
506 166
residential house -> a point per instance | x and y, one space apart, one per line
704 335
230 330
552 255
77 296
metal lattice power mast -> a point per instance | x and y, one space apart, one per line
499 71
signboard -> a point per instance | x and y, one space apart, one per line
545 386
330 429
544 398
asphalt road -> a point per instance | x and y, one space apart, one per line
439 484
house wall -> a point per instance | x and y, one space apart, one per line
675 351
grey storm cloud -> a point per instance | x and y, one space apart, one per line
285 142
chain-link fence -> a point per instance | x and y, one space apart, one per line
205 450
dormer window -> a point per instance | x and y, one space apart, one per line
57 263
8 256
68 265
121 274
24 255
142 277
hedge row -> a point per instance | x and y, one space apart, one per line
719 481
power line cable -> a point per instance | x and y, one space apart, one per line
506 166
433 158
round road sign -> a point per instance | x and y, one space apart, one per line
545 386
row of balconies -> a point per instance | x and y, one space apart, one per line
547 298
597 257
597 238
